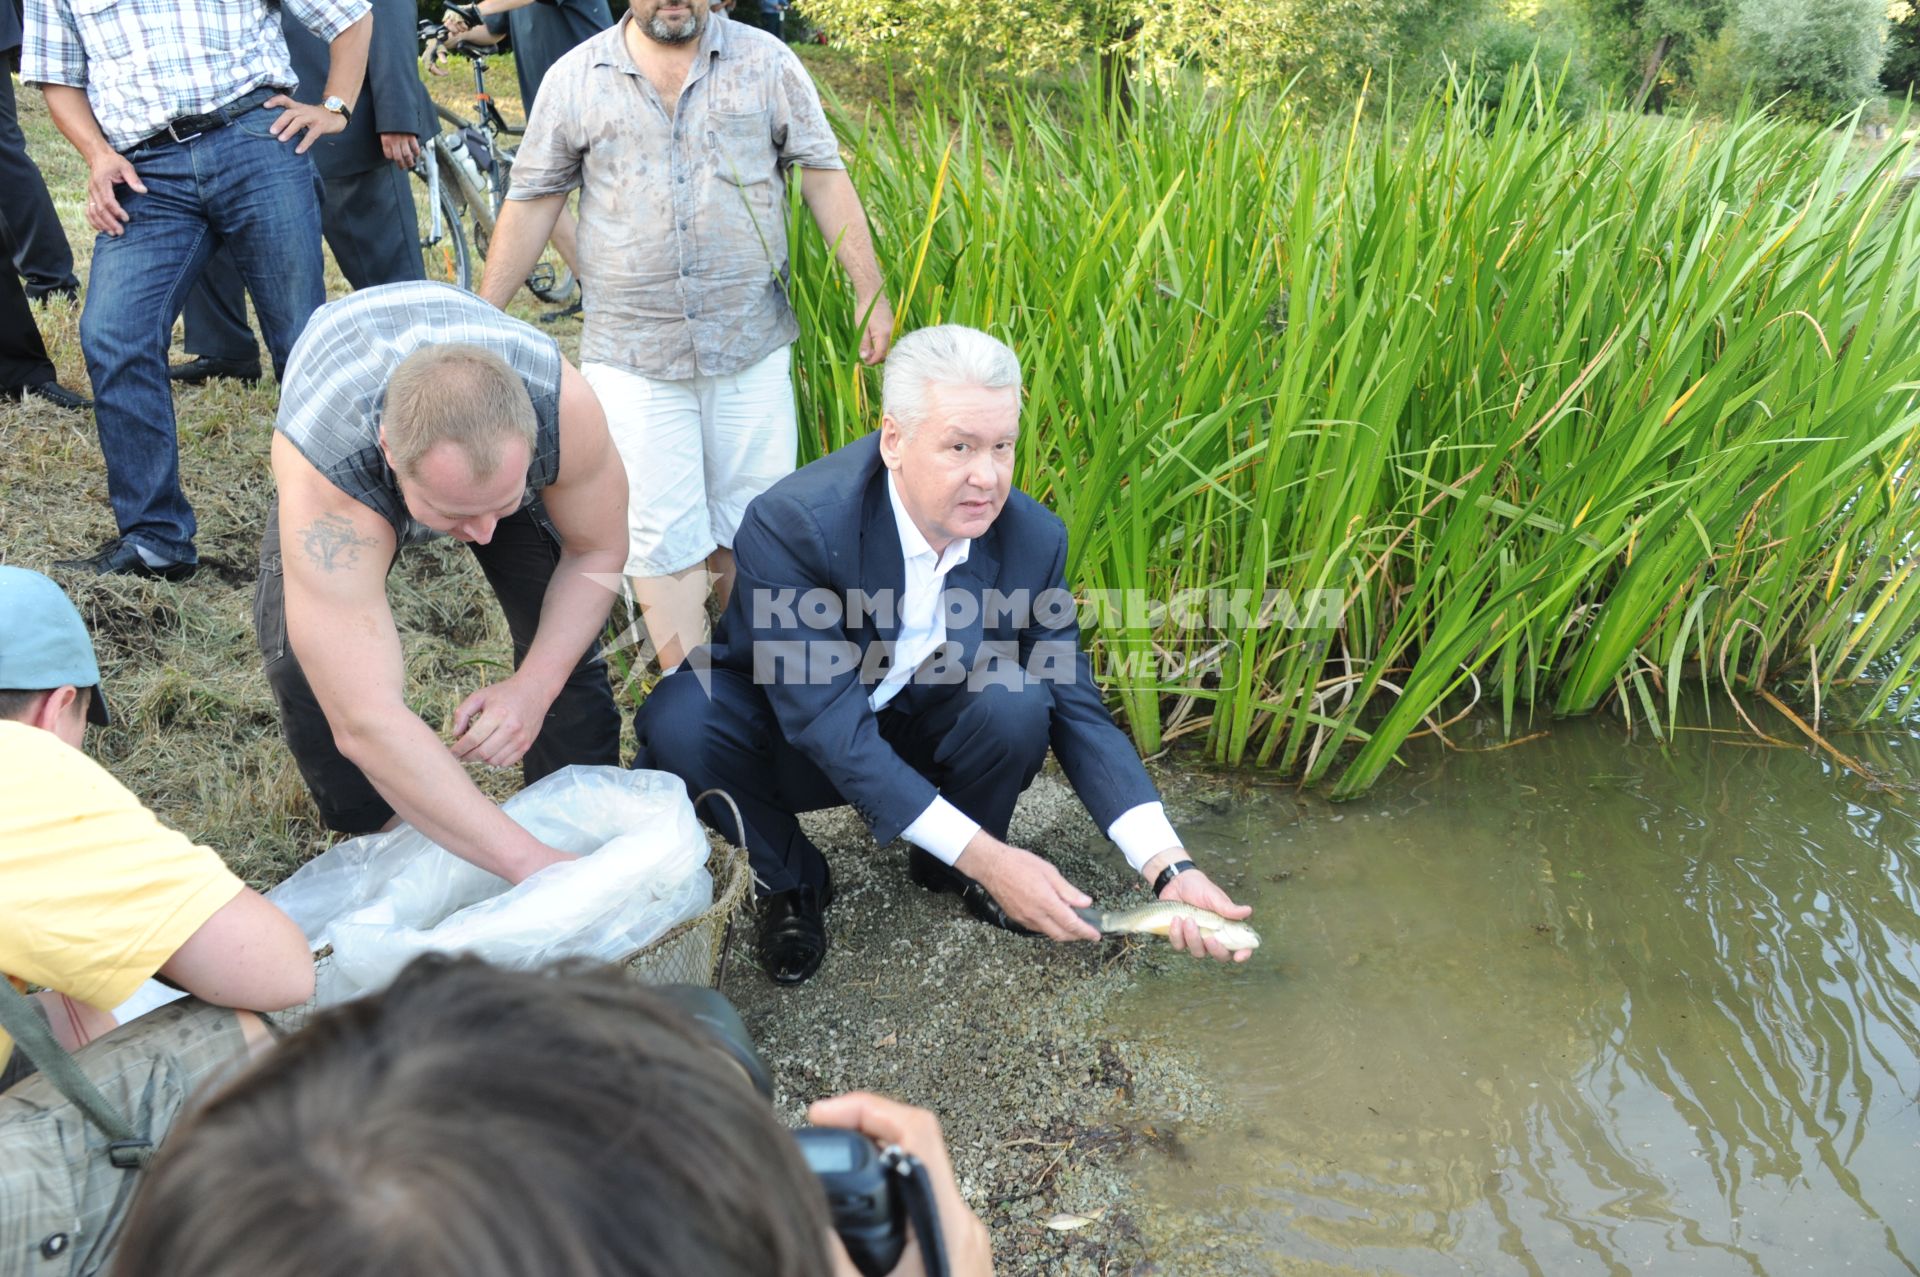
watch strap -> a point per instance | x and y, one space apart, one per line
1171 872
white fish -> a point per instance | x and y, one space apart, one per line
1157 919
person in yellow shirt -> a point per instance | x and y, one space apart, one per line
96 895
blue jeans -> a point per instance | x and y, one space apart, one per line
236 187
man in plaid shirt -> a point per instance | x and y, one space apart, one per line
183 110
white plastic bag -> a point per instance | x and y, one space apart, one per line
383 899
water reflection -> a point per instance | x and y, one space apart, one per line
1579 1006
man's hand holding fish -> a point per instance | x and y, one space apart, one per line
1192 886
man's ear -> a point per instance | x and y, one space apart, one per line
53 708
892 438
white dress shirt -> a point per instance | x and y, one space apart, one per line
1141 832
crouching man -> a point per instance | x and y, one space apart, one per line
96 895
410 411
898 641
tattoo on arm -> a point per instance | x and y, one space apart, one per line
332 544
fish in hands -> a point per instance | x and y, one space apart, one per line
1157 919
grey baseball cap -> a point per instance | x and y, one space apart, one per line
43 642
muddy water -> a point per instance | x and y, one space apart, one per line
1580 1006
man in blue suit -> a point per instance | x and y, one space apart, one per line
901 639
367 211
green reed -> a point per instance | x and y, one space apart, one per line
1568 413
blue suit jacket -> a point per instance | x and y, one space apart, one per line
830 526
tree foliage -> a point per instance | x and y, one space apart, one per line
1821 56
1241 44
1648 51
1901 71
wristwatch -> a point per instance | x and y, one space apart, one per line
1171 872
339 107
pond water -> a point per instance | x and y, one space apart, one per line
1583 1005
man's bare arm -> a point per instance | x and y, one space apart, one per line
106 168
842 220
248 955
588 506
347 61
336 553
346 71
522 231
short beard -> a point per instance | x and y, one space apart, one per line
660 32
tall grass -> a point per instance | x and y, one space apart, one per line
1569 413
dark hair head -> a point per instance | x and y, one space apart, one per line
474 1122
17 704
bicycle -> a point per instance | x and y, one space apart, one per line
462 178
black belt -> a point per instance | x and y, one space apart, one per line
188 127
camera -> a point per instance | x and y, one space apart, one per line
869 1208
873 1193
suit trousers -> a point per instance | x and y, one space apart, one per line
582 725
715 729
370 224
40 253
23 356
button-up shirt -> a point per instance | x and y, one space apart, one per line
1141 832
146 63
683 213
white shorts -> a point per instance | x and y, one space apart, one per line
696 451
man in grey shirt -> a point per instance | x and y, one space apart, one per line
678 127
409 411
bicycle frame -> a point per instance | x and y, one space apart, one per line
479 187
483 201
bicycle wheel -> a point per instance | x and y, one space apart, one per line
444 250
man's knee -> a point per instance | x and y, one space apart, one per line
672 725
104 328
1009 718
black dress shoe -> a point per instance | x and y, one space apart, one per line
793 932
118 558
56 394
203 368
935 875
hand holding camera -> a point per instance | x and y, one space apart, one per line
916 1132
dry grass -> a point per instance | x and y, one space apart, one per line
196 732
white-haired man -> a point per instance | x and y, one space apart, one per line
901 639
411 411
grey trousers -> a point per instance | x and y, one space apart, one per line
369 222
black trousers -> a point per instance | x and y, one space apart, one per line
582 726
369 223
981 747
39 251
23 356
